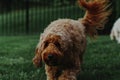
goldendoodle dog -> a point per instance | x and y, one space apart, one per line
63 42
115 32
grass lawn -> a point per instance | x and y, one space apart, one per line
101 60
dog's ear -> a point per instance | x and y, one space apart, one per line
37 60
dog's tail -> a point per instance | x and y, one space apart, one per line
97 12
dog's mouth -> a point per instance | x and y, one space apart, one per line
52 60
51 63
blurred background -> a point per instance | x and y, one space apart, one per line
23 17
22 21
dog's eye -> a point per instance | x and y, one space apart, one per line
57 44
46 44
82 42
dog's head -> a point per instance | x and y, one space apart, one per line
49 51
52 53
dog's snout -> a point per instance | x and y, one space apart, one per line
50 56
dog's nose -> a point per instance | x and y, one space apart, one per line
50 56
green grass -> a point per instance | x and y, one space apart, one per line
15 22
16 55
101 59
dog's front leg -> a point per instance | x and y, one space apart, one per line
51 72
69 75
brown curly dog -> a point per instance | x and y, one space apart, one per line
63 42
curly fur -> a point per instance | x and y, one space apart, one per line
63 42
96 15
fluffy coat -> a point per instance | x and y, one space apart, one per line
63 42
